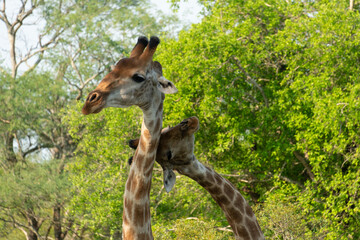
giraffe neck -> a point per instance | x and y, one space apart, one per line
237 211
136 214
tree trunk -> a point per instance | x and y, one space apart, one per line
32 236
57 222
33 224
9 143
351 7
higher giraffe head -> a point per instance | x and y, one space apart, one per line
136 80
132 81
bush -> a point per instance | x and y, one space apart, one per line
192 228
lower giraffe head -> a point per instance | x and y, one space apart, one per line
176 148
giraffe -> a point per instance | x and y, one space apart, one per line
136 80
176 152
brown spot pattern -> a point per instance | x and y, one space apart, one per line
209 175
129 234
151 124
134 184
139 215
215 190
206 184
143 190
223 199
129 180
143 236
160 109
147 213
249 211
218 179
153 145
139 161
242 231
142 143
125 220
148 161
146 135
128 205
149 171
158 125
140 189
229 191
252 228
235 215
239 203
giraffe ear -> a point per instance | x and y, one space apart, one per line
169 179
165 86
134 143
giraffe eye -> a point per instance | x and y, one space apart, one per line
138 78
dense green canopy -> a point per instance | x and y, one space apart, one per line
276 87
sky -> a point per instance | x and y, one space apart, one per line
188 13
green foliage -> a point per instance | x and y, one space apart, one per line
284 217
100 169
186 199
31 190
190 228
33 186
77 43
275 85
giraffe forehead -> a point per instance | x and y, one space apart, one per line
124 69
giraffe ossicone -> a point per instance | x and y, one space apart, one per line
176 152
136 80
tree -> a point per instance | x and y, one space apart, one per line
75 44
275 85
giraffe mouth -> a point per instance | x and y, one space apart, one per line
88 109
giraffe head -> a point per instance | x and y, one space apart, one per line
132 81
176 148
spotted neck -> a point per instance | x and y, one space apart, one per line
136 215
237 211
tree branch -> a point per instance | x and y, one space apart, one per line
34 65
43 48
75 68
17 225
252 81
36 148
251 99
305 164
86 82
351 6
286 179
22 16
3 17
226 229
5 121
48 230
68 228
